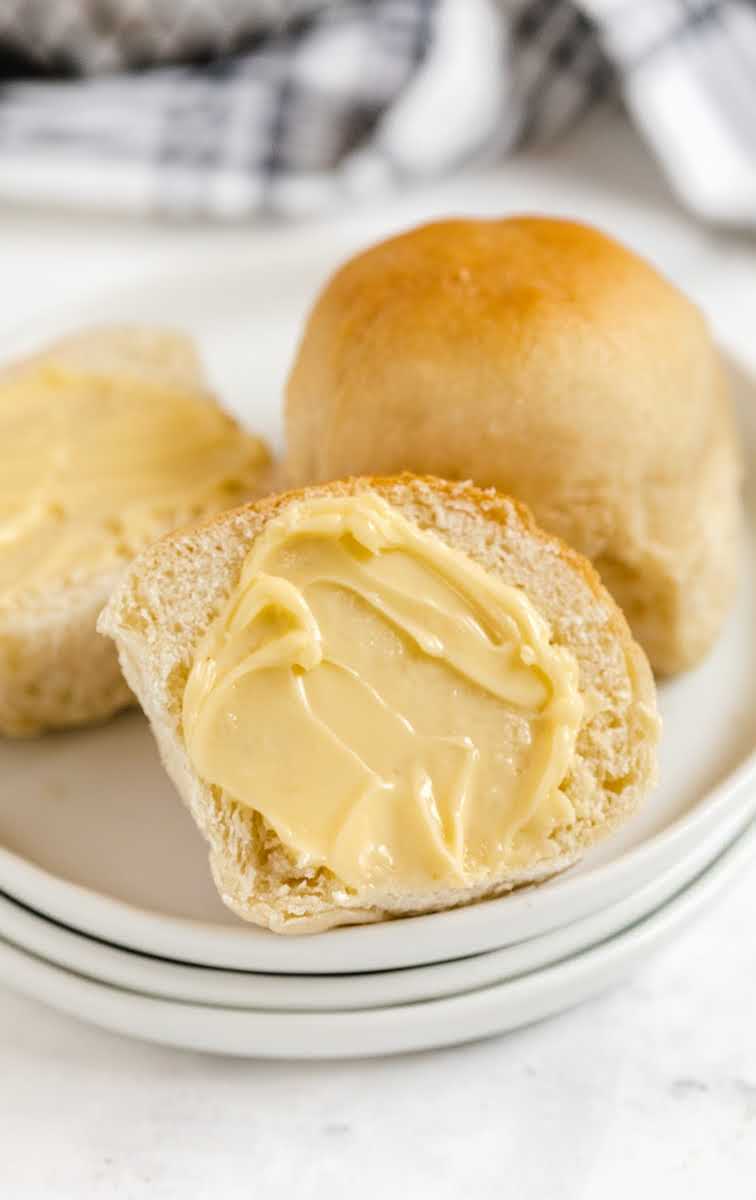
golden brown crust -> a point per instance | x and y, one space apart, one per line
543 358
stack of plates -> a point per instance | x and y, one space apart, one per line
411 984
107 910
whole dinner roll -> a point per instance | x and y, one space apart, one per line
543 358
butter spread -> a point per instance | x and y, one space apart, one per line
95 467
395 712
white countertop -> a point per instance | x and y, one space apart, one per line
650 1089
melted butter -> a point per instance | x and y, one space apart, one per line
95 467
396 713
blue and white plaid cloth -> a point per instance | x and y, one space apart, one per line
274 108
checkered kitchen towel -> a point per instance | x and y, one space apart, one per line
227 108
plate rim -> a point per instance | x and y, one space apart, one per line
724 796
398 1028
551 948
461 923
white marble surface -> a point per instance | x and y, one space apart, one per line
651 1089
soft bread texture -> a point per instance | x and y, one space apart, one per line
172 592
55 671
543 358
139 353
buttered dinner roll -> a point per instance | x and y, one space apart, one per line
385 696
109 439
543 358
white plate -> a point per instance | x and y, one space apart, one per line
88 820
244 989
391 1030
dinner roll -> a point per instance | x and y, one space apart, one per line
110 437
385 696
543 358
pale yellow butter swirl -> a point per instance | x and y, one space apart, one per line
394 711
94 467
